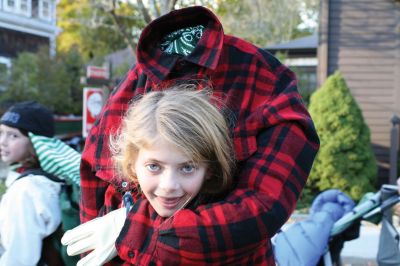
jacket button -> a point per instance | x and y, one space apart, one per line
131 254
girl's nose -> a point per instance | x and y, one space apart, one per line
168 181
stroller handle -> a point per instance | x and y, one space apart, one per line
386 204
369 208
357 212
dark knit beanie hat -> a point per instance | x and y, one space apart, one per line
30 116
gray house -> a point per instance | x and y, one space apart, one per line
25 25
361 38
301 56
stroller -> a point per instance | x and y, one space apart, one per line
334 219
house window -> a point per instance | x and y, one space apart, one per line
25 8
24 5
306 79
10 5
21 7
35 8
45 9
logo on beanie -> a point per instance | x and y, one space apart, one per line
11 117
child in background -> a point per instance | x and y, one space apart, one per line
29 210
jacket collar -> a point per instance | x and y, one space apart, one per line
158 64
11 177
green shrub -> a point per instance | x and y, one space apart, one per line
51 81
345 160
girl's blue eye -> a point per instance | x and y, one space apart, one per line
153 167
188 169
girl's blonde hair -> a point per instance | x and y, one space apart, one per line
187 119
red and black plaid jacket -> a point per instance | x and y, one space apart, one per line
274 139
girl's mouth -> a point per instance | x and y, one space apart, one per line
169 203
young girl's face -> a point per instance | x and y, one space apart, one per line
167 177
14 146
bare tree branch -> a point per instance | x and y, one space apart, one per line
156 9
145 12
164 6
172 6
127 38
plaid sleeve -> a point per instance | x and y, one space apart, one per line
92 188
274 162
99 195
91 203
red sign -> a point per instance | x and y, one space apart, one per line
93 72
93 99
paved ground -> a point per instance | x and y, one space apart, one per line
363 250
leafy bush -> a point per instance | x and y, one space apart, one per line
345 159
52 81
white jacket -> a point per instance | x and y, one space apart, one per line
29 212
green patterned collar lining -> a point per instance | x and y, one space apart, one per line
182 41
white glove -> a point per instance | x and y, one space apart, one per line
98 235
